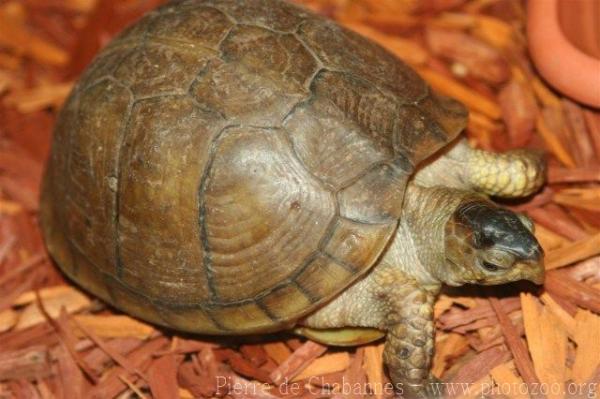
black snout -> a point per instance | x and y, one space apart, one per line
494 226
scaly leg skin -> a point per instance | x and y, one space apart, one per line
512 174
409 345
389 300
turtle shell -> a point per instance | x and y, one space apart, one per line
227 166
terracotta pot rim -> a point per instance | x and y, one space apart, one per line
560 62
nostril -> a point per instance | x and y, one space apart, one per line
537 252
530 249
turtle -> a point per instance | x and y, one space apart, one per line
238 167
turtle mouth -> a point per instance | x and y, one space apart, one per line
451 280
532 271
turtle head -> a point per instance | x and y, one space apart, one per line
486 244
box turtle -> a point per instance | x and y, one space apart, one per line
239 167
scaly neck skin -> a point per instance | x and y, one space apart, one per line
419 245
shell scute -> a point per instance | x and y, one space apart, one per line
323 277
90 206
413 131
157 198
280 57
156 69
262 76
104 65
277 16
362 103
242 96
340 49
247 314
296 302
52 216
423 130
384 182
358 245
256 181
192 27
134 34
331 146
188 318
448 114
123 297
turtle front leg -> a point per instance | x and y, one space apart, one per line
393 302
410 342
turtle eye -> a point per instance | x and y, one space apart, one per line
490 267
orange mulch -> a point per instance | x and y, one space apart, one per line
58 342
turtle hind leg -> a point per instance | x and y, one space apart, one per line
511 174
